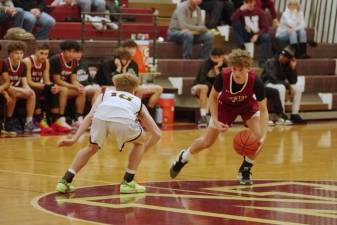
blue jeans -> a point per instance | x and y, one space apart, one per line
243 36
299 36
44 21
86 5
187 39
16 20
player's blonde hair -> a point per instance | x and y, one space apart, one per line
239 57
125 82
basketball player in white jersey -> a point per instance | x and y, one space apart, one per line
115 112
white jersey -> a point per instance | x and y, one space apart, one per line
117 106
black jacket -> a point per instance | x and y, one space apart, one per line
108 69
31 4
276 73
202 77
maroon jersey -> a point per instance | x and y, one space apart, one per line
66 70
15 74
37 71
241 102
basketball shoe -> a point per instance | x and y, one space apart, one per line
63 186
61 125
177 165
45 129
131 187
244 175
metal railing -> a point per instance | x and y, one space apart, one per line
120 17
320 15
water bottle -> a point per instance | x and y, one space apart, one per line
159 115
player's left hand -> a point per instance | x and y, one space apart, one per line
66 142
221 126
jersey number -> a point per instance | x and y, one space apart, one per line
123 96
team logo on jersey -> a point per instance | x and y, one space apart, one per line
201 202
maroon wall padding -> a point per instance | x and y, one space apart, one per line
60 13
69 30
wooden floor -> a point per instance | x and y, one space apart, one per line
295 157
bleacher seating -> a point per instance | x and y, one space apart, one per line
320 72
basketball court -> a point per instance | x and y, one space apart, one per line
295 182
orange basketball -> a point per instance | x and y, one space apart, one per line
246 144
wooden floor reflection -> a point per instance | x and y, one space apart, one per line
30 167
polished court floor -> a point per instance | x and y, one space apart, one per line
295 182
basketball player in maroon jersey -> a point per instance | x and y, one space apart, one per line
63 73
5 127
38 80
232 95
19 88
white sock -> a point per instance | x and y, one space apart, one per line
29 119
130 171
249 160
186 155
72 171
203 111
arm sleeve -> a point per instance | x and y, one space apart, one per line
55 67
270 5
218 83
262 22
236 16
292 76
259 89
202 74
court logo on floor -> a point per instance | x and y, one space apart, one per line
200 202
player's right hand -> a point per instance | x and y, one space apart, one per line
66 142
221 126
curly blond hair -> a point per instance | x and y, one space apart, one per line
125 82
239 57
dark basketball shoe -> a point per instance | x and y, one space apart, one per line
203 123
177 165
297 119
245 175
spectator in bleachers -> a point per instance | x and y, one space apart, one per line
203 83
19 88
121 63
91 89
292 29
85 5
35 15
250 25
9 13
217 11
100 22
280 73
150 91
55 96
262 4
187 27
63 73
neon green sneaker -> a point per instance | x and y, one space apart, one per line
131 187
63 186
